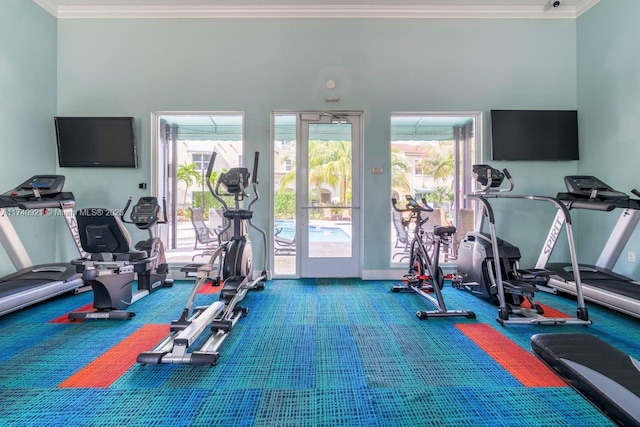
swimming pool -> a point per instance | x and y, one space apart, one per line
317 233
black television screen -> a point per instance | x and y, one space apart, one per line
96 142
534 135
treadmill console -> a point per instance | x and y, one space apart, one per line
38 192
42 185
483 172
585 186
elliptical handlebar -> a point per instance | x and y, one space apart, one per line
256 158
124 211
212 190
254 180
164 212
210 168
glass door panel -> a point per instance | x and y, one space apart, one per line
329 230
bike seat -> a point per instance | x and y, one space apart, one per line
444 230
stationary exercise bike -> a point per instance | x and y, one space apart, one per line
111 266
234 260
425 274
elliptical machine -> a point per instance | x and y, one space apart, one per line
490 268
111 266
235 268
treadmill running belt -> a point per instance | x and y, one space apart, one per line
36 276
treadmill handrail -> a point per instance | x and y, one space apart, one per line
59 200
558 204
601 204
591 204
45 204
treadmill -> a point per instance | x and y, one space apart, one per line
600 284
34 283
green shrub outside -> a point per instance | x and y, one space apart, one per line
284 203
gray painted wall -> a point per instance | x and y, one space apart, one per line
135 67
609 114
27 106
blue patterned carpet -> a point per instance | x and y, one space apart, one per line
339 352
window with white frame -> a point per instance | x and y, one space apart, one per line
431 158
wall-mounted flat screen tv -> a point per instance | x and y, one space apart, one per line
534 135
96 142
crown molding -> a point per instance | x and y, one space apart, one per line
585 5
318 11
48 5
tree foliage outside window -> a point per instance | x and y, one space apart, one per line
424 170
188 173
329 165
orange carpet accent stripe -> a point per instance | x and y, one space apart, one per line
209 289
548 311
65 317
524 366
110 366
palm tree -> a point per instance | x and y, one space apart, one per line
337 168
428 154
399 168
330 164
188 173
442 167
290 176
440 194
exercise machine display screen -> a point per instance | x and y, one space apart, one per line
45 185
483 172
591 187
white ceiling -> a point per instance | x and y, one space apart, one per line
69 9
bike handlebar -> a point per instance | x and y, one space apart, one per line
412 205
